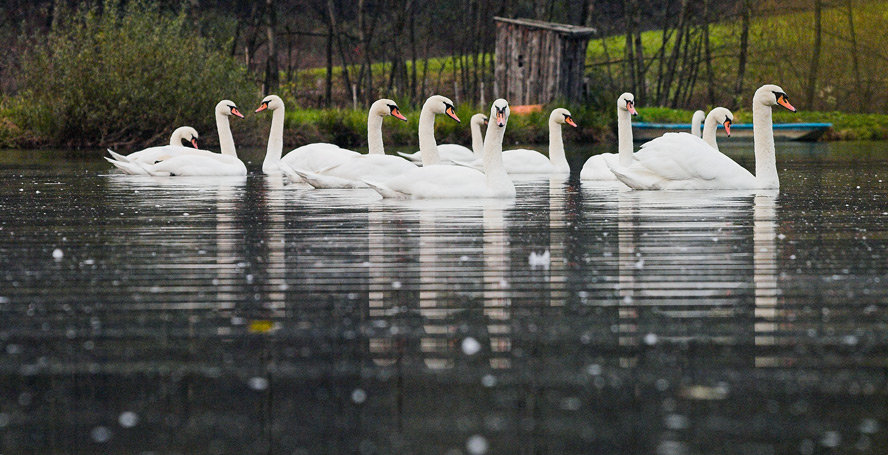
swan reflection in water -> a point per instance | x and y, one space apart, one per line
765 274
167 217
684 266
441 236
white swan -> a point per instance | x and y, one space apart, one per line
696 121
152 155
310 156
440 181
596 167
206 163
375 165
717 116
428 148
525 161
671 162
456 152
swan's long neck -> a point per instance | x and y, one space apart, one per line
624 136
710 127
477 141
493 157
226 140
176 138
275 140
374 135
556 146
428 148
695 126
765 155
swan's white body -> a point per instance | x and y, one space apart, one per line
152 155
450 153
696 121
374 165
205 163
597 167
311 157
442 181
525 161
675 162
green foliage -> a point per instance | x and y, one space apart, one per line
780 50
108 76
348 128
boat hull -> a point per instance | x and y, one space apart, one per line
642 132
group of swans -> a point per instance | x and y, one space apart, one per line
376 165
673 161
174 159
447 181
682 161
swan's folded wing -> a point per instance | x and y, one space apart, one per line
373 167
682 156
440 181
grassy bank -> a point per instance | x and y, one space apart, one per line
348 127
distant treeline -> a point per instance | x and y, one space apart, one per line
100 72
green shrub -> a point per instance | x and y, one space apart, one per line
106 76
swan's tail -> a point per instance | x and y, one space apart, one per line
290 172
321 181
126 167
467 164
411 156
634 177
118 156
385 191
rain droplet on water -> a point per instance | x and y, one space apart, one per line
101 434
359 396
477 445
258 383
128 419
471 346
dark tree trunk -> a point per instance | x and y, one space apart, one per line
862 93
746 13
707 50
328 89
814 69
271 81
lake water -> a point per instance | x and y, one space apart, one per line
209 316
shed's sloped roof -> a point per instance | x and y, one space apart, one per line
563 29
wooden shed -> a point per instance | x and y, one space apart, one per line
538 62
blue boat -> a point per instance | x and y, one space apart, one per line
643 131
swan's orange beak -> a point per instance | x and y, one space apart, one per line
452 113
500 118
728 127
630 106
236 112
781 100
396 113
485 120
262 107
194 143
570 121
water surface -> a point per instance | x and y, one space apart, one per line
150 315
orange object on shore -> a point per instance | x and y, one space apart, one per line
525 109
